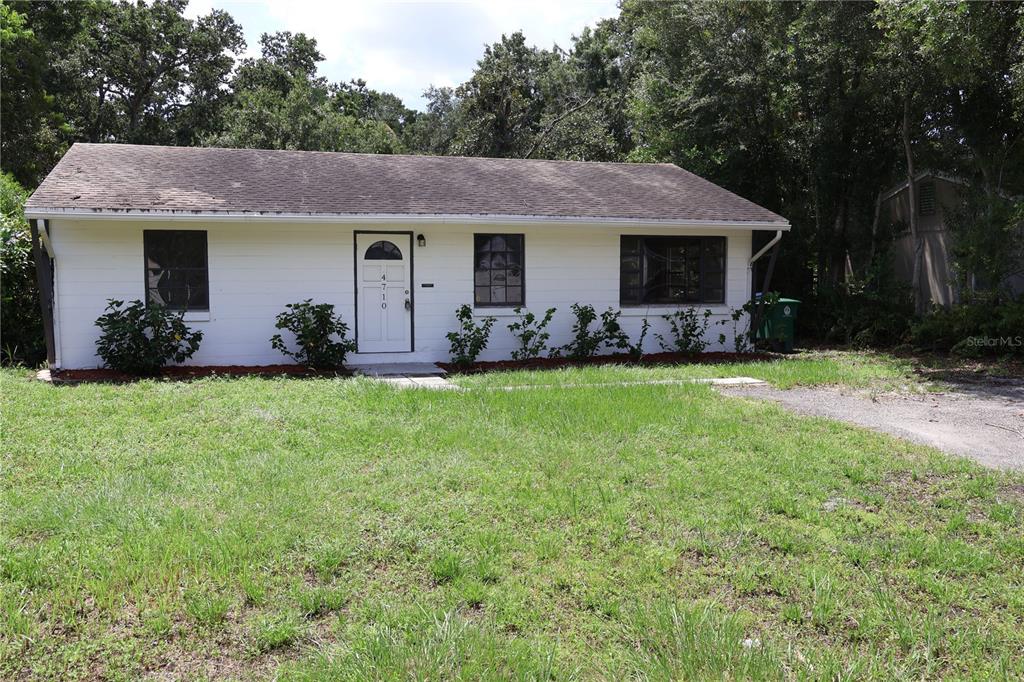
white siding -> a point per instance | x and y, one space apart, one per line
256 268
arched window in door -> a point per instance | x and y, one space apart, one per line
383 250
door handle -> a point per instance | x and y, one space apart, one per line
408 304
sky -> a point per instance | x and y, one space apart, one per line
404 47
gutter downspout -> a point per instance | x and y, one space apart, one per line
755 317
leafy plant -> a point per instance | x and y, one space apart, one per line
741 338
470 339
313 325
584 342
22 330
613 334
140 340
636 351
532 334
688 331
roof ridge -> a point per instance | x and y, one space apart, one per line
373 154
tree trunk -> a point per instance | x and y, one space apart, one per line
915 232
874 231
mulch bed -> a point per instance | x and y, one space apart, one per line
653 359
186 372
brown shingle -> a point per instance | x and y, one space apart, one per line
208 180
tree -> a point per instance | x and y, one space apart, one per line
280 103
99 71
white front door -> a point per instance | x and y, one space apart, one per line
383 269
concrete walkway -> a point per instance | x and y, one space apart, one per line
407 375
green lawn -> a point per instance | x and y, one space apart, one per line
345 529
809 368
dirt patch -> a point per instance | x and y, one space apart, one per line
985 424
650 360
188 372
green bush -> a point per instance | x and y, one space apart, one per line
972 330
873 311
688 331
313 325
470 339
21 323
584 342
532 334
741 338
140 340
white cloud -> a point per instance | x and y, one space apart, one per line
403 47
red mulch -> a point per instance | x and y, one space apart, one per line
616 359
184 372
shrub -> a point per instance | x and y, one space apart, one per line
613 335
688 331
972 330
140 340
740 338
584 342
871 311
636 351
470 339
532 334
19 298
313 325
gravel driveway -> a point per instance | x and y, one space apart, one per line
983 421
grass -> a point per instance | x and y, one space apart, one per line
344 529
809 368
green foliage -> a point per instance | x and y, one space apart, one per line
871 312
586 342
988 241
21 325
140 339
636 350
688 331
470 339
972 330
313 325
741 338
531 333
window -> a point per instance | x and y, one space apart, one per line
176 270
671 270
926 198
383 251
498 269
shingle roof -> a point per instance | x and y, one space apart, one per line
116 177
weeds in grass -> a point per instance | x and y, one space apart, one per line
446 568
275 631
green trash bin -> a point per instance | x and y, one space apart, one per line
779 326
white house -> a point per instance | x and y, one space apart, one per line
396 243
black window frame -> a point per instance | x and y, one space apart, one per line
632 261
205 269
477 255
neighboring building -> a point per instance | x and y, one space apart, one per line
937 195
396 243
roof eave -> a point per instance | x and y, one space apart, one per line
365 218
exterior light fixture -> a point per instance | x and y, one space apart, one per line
421 240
